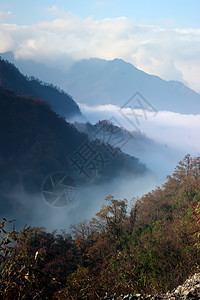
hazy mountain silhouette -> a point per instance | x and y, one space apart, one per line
96 81
109 133
134 143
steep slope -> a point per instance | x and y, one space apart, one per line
134 143
35 142
61 102
123 252
109 133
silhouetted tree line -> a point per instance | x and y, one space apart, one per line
60 101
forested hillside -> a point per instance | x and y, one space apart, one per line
151 247
60 101
35 142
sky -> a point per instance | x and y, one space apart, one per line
158 37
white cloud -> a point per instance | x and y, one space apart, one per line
6 42
99 4
4 16
55 11
166 52
181 132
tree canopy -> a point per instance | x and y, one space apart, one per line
153 247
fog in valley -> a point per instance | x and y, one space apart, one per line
167 138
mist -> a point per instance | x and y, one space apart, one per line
171 135
33 210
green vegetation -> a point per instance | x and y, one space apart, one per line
152 247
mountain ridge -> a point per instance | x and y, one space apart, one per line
115 81
36 142
96 81
11 78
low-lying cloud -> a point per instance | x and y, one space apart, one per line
181 132
31 209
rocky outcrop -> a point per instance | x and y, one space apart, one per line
190 289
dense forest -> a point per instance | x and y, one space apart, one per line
35 141
150 247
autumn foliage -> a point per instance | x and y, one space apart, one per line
151 247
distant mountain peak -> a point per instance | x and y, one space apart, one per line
96 82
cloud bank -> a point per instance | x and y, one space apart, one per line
178 131
171 53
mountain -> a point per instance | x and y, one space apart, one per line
60 101
135 143
96 81
36 142
111 134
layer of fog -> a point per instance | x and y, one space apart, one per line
179 131
175 134
33 210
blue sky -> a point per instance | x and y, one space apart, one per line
182 12
158 37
